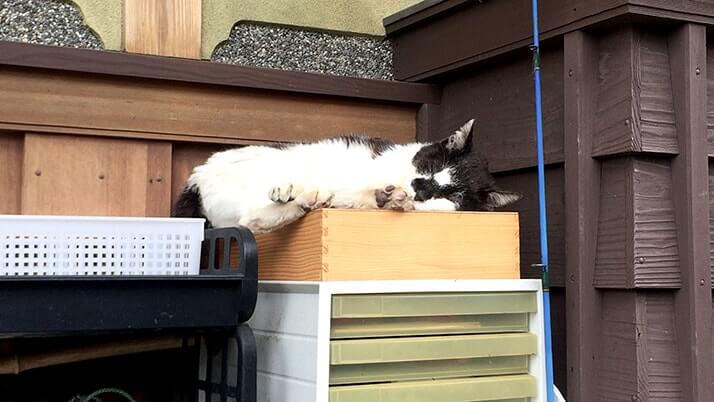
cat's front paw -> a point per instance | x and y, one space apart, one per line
392 197
314 199
284 193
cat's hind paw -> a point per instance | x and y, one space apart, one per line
395 198
314 199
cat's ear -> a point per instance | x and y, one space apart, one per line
460 140
500 198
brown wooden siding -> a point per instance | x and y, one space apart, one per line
635 139
499 98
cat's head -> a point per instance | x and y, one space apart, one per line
454 169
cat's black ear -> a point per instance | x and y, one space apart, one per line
460 141
500 198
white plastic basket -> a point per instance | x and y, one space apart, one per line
32 245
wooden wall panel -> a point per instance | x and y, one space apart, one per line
693 301
65 175
637 231
617 375
660 369
525 181
656 254
10 172
635 111
185 158
653 94
163 27
613 267
186 112
614 128
710 97
500 98
711 218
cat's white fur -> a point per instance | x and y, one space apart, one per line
263 187
237 184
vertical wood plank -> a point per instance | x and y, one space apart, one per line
163 27
582 184
158 179
427 123
693 302
67 175
10 172
186 157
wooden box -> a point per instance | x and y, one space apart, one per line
337 244
417 341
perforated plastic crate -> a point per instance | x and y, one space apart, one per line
32 245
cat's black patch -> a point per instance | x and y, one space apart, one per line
472 186
375 144
189 205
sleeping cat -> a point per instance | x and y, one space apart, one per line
266 187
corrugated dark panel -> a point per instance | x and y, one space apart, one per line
656 255
500 98
659 358
525 181
656 107
612 265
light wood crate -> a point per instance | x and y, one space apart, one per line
341 244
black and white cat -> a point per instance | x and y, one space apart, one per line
266 187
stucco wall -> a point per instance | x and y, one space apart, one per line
358 16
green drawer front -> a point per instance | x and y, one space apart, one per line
432 304
343 328
367 351
435 369
514 387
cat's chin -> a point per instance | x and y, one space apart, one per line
434 205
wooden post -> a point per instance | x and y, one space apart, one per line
582 185
163 27
693 302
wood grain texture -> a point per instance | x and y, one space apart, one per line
653 90
710 97
524 181
613 261
335 244
615 130
65 175
655 254
28 356
660 370
444 34
617 377
582 188
163 27
500 98
11 150
203 72
293 253
635 110
711 219
427 126
136 107
184 158
693 302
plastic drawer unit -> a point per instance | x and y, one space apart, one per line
384 341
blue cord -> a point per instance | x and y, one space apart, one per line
542 210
